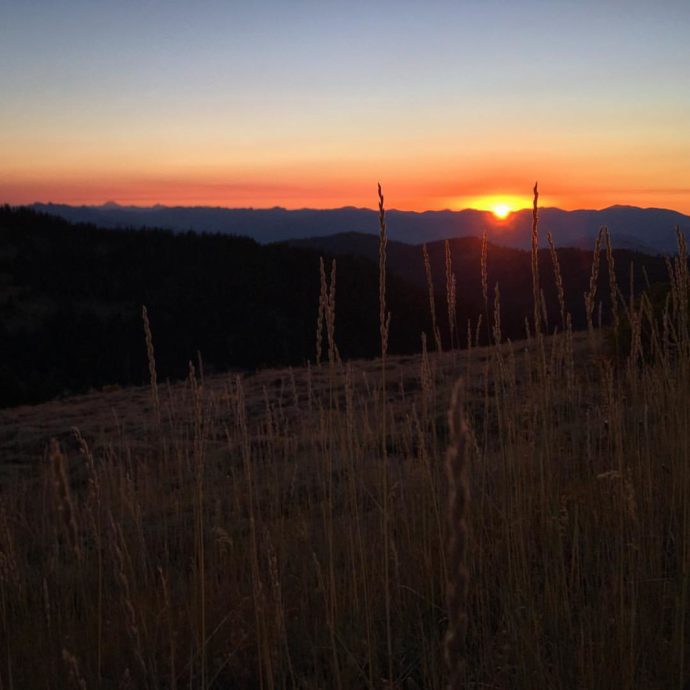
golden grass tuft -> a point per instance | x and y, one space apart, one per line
451 296
150 354
536 291
456 548
432 302
591 294
63 496
613 286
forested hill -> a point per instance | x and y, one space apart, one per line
508 268
71 298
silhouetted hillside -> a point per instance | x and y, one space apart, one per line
510 268
71 297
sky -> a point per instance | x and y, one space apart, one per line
309 104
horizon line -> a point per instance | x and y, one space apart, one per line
124 206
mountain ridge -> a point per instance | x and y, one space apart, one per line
631 227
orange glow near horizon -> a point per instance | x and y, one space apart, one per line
439 189
501 205
416 176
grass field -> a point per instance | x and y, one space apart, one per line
290 529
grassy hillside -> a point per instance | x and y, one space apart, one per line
328 528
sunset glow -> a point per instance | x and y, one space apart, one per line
501 205
277 104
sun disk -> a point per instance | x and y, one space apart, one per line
501 210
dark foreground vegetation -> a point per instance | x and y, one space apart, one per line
71 299
330 527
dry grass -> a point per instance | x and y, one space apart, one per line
432 301
456 545
290 529
591 294
536 290
451 296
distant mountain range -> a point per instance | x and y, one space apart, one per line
648 230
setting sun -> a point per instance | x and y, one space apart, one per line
501 210
500 205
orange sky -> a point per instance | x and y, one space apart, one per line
441 169
329 187
307 105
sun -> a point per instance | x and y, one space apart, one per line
501 205
501 210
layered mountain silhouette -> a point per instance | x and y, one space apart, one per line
71 298
650 230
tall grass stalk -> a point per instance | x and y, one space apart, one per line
536 291
458 581
150 354
613 286
384 325
590 295
450 296
432 301
558 278
484 275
